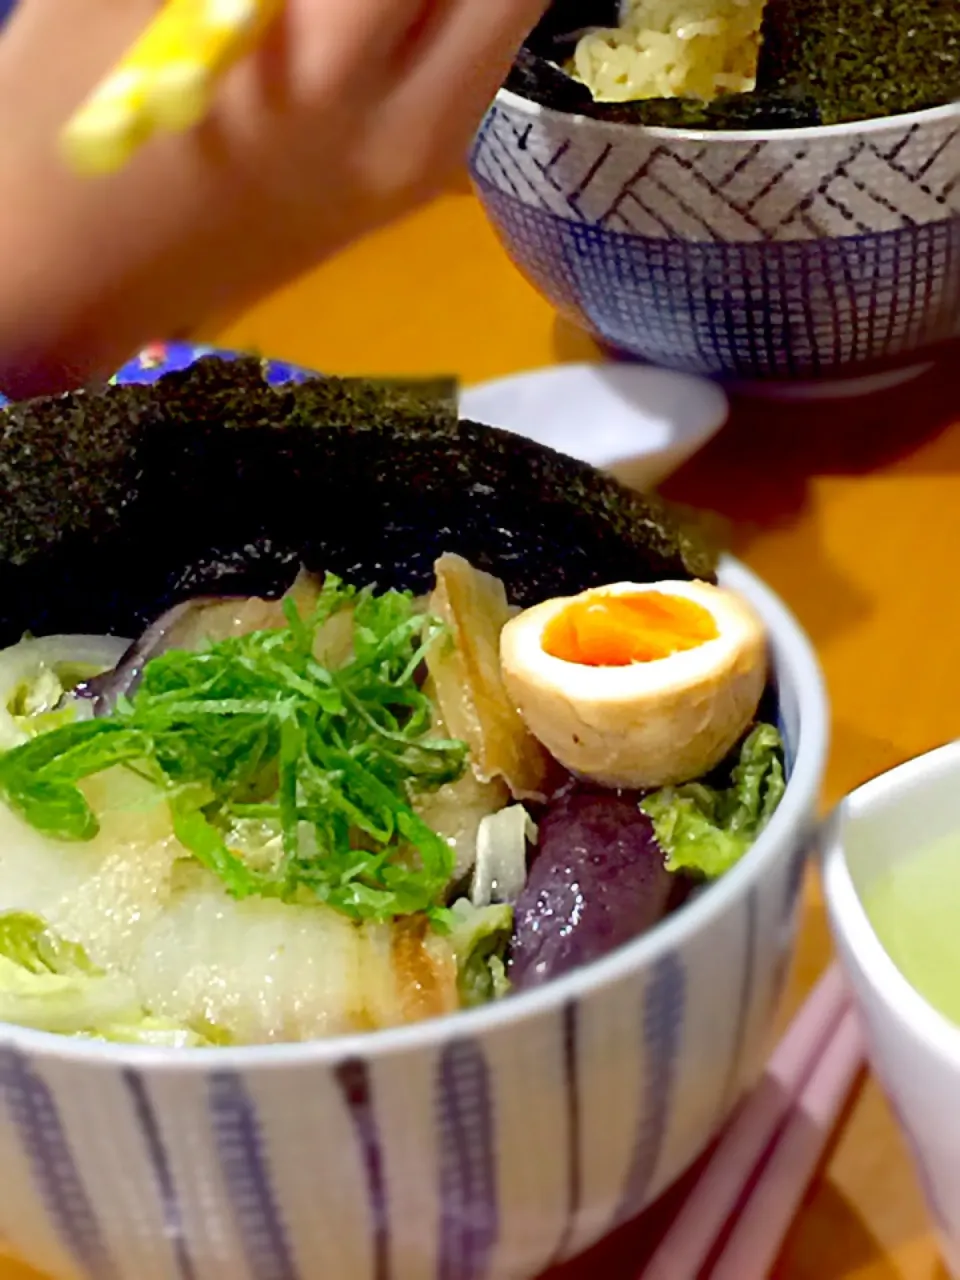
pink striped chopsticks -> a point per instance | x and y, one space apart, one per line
733 1222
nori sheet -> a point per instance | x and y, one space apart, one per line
821 62
863 59
117 504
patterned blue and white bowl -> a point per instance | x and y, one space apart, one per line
792 256
484 1146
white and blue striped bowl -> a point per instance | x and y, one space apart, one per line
779 257
484 1146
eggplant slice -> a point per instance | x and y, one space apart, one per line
118 504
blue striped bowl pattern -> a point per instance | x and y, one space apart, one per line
485 1146
793 255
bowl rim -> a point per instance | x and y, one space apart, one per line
797 661
802 133
875 967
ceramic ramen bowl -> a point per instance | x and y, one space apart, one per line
492 1143
797 256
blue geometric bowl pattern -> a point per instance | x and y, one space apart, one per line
483 1147
822 253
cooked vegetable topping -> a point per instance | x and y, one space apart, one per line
598 881
51 984
707 829
500 871
480 937
26 941
343 764
254 727
468 681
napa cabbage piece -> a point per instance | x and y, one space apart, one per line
50 984
457 811
266 971
258 971
68 1004
707 829
160 1033
465 670
480 938
501 868
36 674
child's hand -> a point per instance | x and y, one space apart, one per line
354 111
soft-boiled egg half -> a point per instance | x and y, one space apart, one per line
637 686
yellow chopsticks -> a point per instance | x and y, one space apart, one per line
166 81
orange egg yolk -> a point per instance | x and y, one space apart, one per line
615 631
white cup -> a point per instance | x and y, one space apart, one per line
914 1050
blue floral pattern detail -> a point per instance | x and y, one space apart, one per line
171 357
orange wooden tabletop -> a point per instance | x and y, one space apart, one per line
851 512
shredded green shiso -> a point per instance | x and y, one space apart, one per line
255 729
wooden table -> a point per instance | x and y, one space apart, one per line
850 511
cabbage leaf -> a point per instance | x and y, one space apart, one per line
48 983
480 937
706 829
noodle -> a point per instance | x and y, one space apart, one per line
671 49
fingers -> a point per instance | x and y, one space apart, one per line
334 48
463 56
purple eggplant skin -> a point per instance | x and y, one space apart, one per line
163 634
598 881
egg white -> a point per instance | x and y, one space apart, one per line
649 724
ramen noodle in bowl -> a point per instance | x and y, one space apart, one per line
673 49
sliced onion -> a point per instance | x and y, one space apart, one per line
500 872
23 662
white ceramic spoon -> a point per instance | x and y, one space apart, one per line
639 422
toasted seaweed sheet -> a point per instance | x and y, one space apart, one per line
117 504
863 59
821 62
